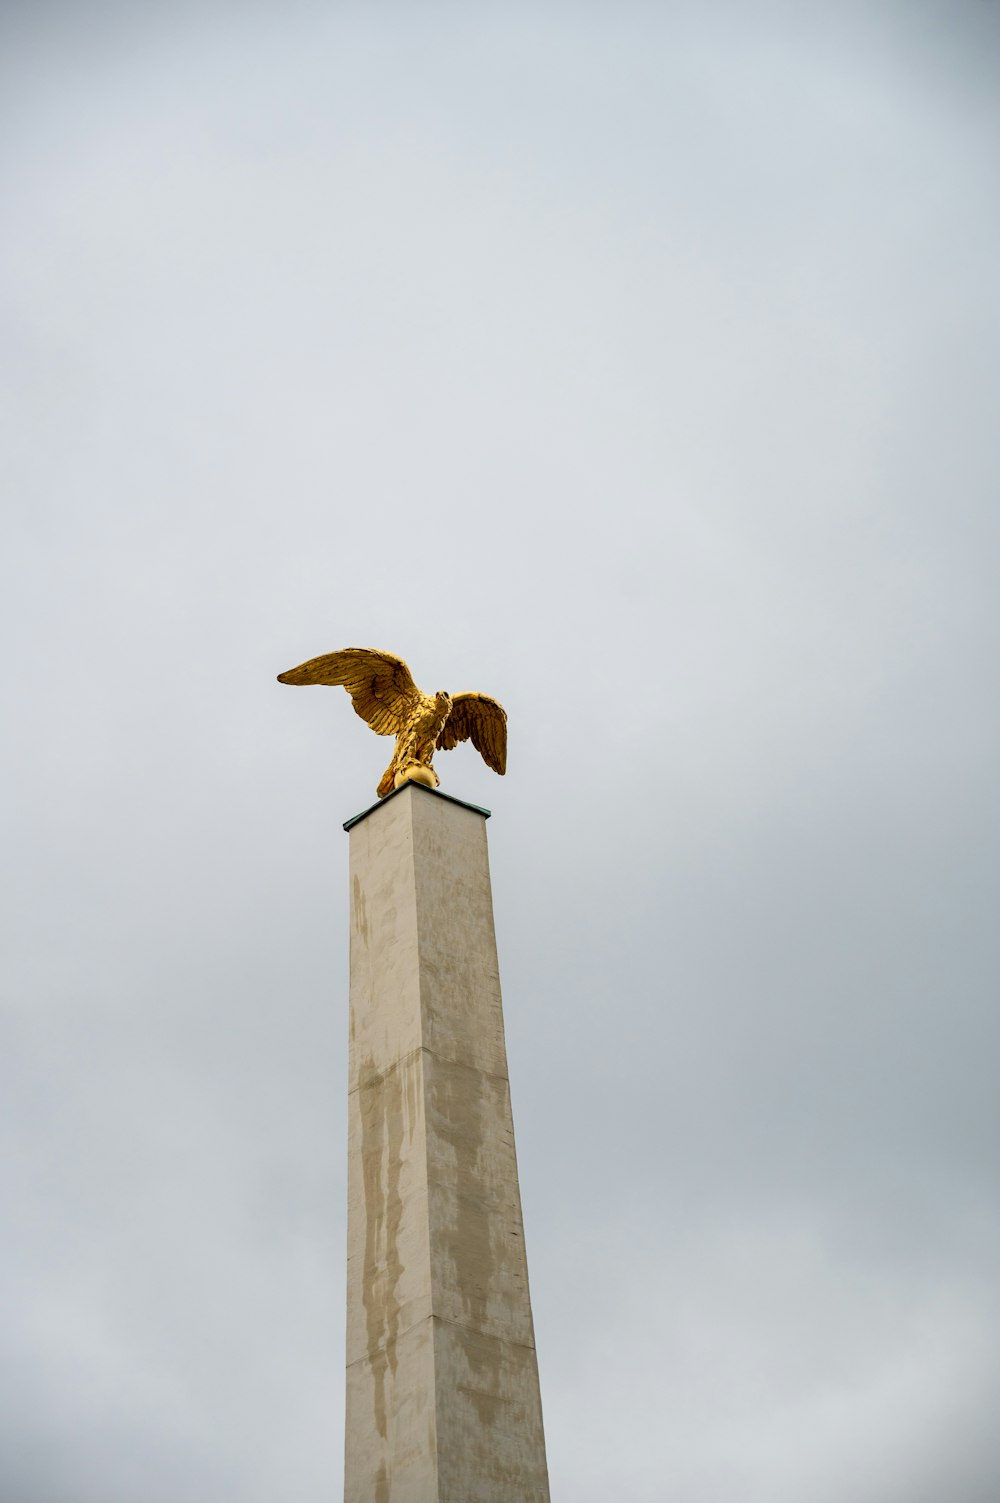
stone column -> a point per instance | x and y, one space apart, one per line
443 1403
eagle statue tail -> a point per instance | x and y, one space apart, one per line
388 780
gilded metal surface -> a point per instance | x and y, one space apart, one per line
384 694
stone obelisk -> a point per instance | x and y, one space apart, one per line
443 1402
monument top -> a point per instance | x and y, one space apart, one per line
384 694
434 793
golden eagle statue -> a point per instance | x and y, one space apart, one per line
385 695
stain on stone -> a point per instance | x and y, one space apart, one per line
382 1109
359 917
462 1114
360 912
382 1484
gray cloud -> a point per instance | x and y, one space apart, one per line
640 370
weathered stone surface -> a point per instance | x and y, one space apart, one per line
443 1403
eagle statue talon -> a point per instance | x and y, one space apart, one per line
416 772
384 694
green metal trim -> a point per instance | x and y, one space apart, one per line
434 793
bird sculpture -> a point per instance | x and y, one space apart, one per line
384 694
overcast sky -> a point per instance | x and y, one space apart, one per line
638 365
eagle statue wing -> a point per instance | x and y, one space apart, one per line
380 685
481 720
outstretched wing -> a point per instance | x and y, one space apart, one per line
380 685
479 719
